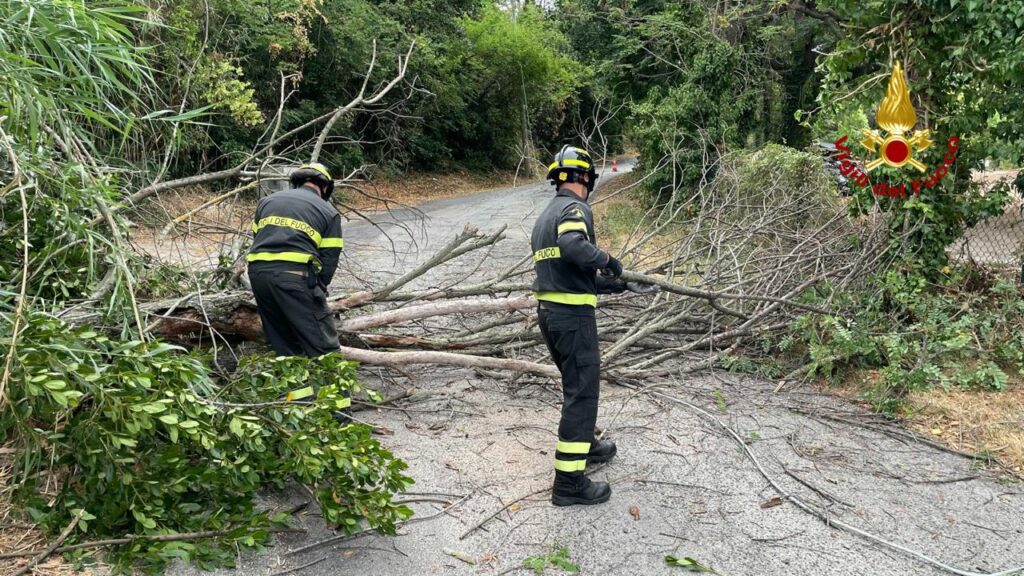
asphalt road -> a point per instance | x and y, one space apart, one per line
489 442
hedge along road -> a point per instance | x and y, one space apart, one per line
681 485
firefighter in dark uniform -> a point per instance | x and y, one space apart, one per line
292 260
567 261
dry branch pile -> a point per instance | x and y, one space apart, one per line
738 258
763 238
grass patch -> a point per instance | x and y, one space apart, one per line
978 421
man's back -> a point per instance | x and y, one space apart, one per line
293 258
279 215
299 227
564 253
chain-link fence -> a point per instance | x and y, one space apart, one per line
996 242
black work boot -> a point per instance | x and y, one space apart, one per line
575 488
601 451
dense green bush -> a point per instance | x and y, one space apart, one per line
909 334
142 439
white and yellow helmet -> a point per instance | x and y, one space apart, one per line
315 172
569 164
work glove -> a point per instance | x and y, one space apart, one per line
613 269
607 285
638 288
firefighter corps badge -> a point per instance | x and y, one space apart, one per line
897 145
896 115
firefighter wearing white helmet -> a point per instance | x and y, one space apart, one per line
293 257
566 261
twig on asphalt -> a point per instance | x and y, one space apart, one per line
298 568
384 402
499 511
945 480
445 501
149 538
895 433
815 489
779 539
346 537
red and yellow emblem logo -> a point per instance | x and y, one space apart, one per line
896 116
896 146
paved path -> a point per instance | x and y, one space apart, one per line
491 441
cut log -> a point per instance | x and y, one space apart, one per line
190 325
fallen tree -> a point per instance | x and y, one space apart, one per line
735 261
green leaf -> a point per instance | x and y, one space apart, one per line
171 116
146 521
565 565
153 407
688 563
169 419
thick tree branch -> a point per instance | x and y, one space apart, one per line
406 359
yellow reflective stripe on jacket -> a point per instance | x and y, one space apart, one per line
570 465
332 243
288 223
567 298
573 447
573 163
296 257
547 253
300 394
572 226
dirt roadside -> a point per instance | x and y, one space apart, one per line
486 444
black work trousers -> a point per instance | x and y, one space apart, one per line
295 317
570 333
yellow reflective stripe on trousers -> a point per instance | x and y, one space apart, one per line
570 465
572 226
288 223
296 257
573 447
547 253
300 394
332 243
567 298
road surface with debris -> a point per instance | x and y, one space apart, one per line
480 447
